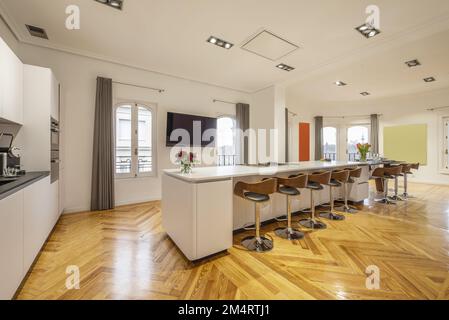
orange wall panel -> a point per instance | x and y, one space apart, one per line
304 141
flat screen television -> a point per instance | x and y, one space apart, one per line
186 122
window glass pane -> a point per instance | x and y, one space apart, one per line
226 141
330 143
123 139
144 140
357 134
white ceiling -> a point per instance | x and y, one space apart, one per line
170 37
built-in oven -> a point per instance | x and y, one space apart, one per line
54 134
54 174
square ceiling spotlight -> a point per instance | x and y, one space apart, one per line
365 93
117 4
285 67
270 46
220 43
430 79
340 83
367 30
413 63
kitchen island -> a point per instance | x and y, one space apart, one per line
200 212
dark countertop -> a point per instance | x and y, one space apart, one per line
21 183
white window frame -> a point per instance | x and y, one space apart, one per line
443 145
236 143
152 107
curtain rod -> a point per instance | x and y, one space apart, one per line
354 116
223 101
438 108
138 86
292 113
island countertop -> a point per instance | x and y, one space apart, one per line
205 174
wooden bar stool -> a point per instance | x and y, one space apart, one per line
315 184
354 173
289 187
385 174
338 178
258 193
407 171
396 196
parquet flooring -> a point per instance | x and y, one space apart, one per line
125 254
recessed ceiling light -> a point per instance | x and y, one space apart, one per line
117 4
340 83
285 67
413 63
429 79
365 93
220 43
367 30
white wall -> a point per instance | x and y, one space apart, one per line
400 110
78 78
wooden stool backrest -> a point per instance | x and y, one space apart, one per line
340 175
267 187
296 181
321 177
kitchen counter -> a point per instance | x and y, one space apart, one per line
200 211
21 183
206 174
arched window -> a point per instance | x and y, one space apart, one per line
330 143
355 135
226 146
134 140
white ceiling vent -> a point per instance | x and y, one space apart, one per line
270 46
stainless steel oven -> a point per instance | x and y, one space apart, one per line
54 174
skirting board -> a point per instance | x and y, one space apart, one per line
118 204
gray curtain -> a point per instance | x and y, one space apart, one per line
286 136
242 123
374 133
103 155
318 138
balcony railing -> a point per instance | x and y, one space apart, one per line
123 164
226 160
330 156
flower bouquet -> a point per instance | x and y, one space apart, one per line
187 160
363 149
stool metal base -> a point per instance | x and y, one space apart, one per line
261 244
406 196
332 216
281 218
346 209
396 198
385 201
289 234
312 224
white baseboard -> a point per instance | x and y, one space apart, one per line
119 203
438 183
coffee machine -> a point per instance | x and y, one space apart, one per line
7 160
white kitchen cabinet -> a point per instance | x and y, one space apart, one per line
38 218
11 245
55 99
11 85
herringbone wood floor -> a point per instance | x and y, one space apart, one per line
125 254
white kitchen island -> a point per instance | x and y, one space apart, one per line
200 211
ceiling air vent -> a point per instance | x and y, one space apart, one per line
37 32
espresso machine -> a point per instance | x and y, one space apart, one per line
9 163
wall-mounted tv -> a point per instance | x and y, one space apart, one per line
186 121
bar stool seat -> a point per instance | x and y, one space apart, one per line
289 191
256 197
338 178
289 187
315 183
258 193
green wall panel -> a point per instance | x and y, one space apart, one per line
406 143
